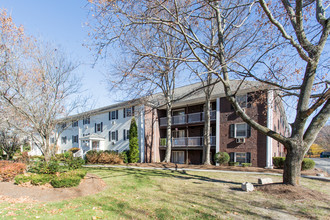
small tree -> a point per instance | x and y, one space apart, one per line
9 143
133 155
221 158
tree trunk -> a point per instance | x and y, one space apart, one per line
167 158
292 164
207 144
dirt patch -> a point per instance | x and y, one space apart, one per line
311 172
289 192
12 193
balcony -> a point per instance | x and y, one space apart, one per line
187 119
187 141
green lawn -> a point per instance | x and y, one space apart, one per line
141 194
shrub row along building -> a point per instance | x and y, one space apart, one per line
107 128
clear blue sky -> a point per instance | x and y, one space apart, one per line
61 23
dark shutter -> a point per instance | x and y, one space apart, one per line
232 130
132 111
248 131
109 135
109 116
248 157
101 126
95 127
124 135
249 101
124 111
127 134
231 156
116 114
72 139
116 135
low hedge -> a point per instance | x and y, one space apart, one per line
8 170
233 163
64 181
246 164
104 157
307 163
67 179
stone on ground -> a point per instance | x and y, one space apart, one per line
247 187
265 181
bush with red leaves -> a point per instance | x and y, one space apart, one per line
8 170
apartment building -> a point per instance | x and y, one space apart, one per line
107 128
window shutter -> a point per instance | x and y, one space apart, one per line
116 135
109 116
127 134
248 130
101 126
124 135
72 139
116 114
124 111
133 110
248 157
231 156
109 135
95 127
232 130
249 101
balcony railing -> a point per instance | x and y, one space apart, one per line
187 119
187 141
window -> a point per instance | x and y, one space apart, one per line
128 112
74 138
241 157
114 135
99 127
242 100
86 121
75 124
52 140
63 140
242 130
114 115
63 125
84 135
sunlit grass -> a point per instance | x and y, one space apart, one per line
156 194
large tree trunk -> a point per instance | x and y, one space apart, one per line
292 164
167 158
207 144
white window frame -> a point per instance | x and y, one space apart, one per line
98 127
235 156
235 130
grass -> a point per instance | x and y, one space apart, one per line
155 194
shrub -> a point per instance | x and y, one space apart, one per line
42 167
124 156
221 158
74 163
74 150
278 162
41 179
80 173
246 164
133 155
307 164
9 170
37 158
21 178
92 156
65 181
233 163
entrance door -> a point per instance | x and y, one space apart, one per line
95 145
178 157
178 133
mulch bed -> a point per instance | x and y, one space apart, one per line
13 193
311 172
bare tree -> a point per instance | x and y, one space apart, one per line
153 55
253 47
37 82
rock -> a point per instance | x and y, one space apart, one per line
247 187
320 174
265 181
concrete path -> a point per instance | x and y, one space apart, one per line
201 170
322 163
